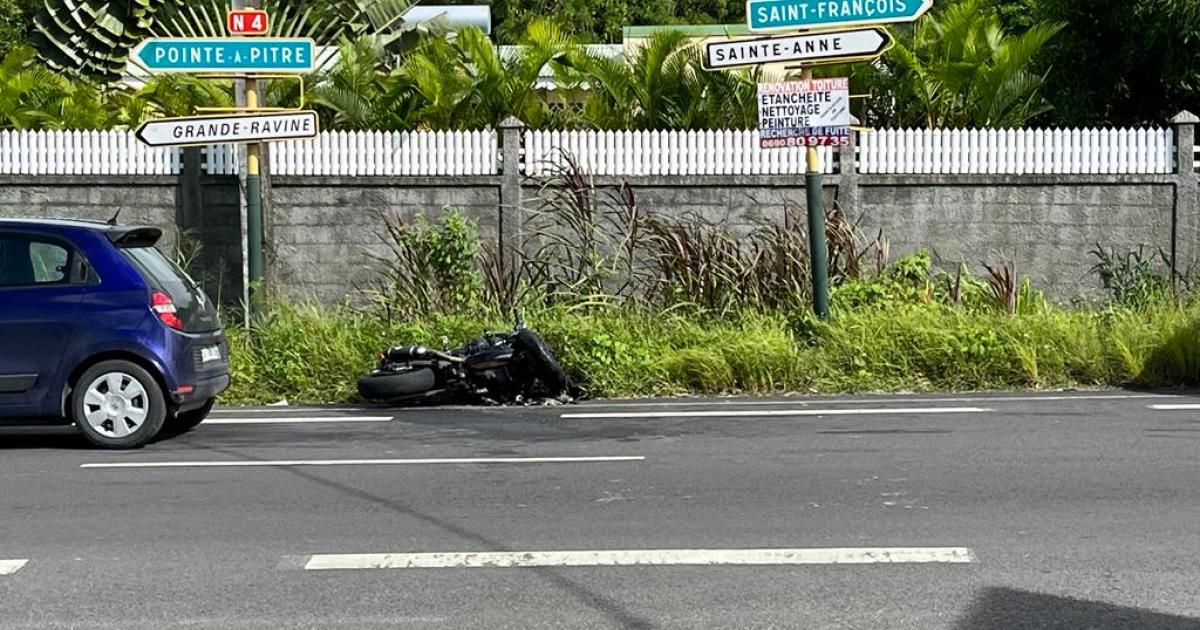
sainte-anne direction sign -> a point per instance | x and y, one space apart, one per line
227 54
834 47
770 15
224 129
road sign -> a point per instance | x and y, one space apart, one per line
804 113
225 129
854 45
227 54
247 22
772 15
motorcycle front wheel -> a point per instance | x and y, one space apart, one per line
386 385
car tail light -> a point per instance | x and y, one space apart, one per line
162 305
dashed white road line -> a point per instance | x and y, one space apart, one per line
643 557
368 462
9 567
744 413
1180 407
297 420
284 409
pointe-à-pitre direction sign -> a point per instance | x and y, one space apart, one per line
831 47
774 15
226 129
227 54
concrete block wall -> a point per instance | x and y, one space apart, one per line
324 230
742 201
1045 225
213 226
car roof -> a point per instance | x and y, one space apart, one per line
85 224
119 235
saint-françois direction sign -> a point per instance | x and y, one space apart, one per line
227 54
226 129
771 15
831 47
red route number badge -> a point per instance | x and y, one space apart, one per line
247 22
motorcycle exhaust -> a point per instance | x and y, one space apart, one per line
400 354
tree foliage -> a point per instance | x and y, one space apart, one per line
664 86
1122 63
15 17
959 67
34 97
602 20
94 37
464 82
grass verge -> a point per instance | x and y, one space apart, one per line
308 354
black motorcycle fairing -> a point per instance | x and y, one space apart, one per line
489 358
496 368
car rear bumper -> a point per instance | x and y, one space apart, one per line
200 393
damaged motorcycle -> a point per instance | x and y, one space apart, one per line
498 368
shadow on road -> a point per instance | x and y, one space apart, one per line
1011 609
42 437
592 599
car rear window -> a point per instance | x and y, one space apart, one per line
192 305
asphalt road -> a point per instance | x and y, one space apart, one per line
967 513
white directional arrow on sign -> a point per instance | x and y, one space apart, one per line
233 128
852 45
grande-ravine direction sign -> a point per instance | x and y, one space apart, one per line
238 55
832 47
774 15
227 129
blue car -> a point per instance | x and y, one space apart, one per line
98 328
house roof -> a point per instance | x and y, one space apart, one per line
693 30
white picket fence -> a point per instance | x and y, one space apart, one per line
1017 151
711 152
333 153
619 153
78 152
355 153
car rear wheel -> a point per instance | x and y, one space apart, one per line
185 421
117 404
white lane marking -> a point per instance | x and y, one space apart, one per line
370 462
298 420
1187 407
773 412
9 567
298 410
641 557
733 402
